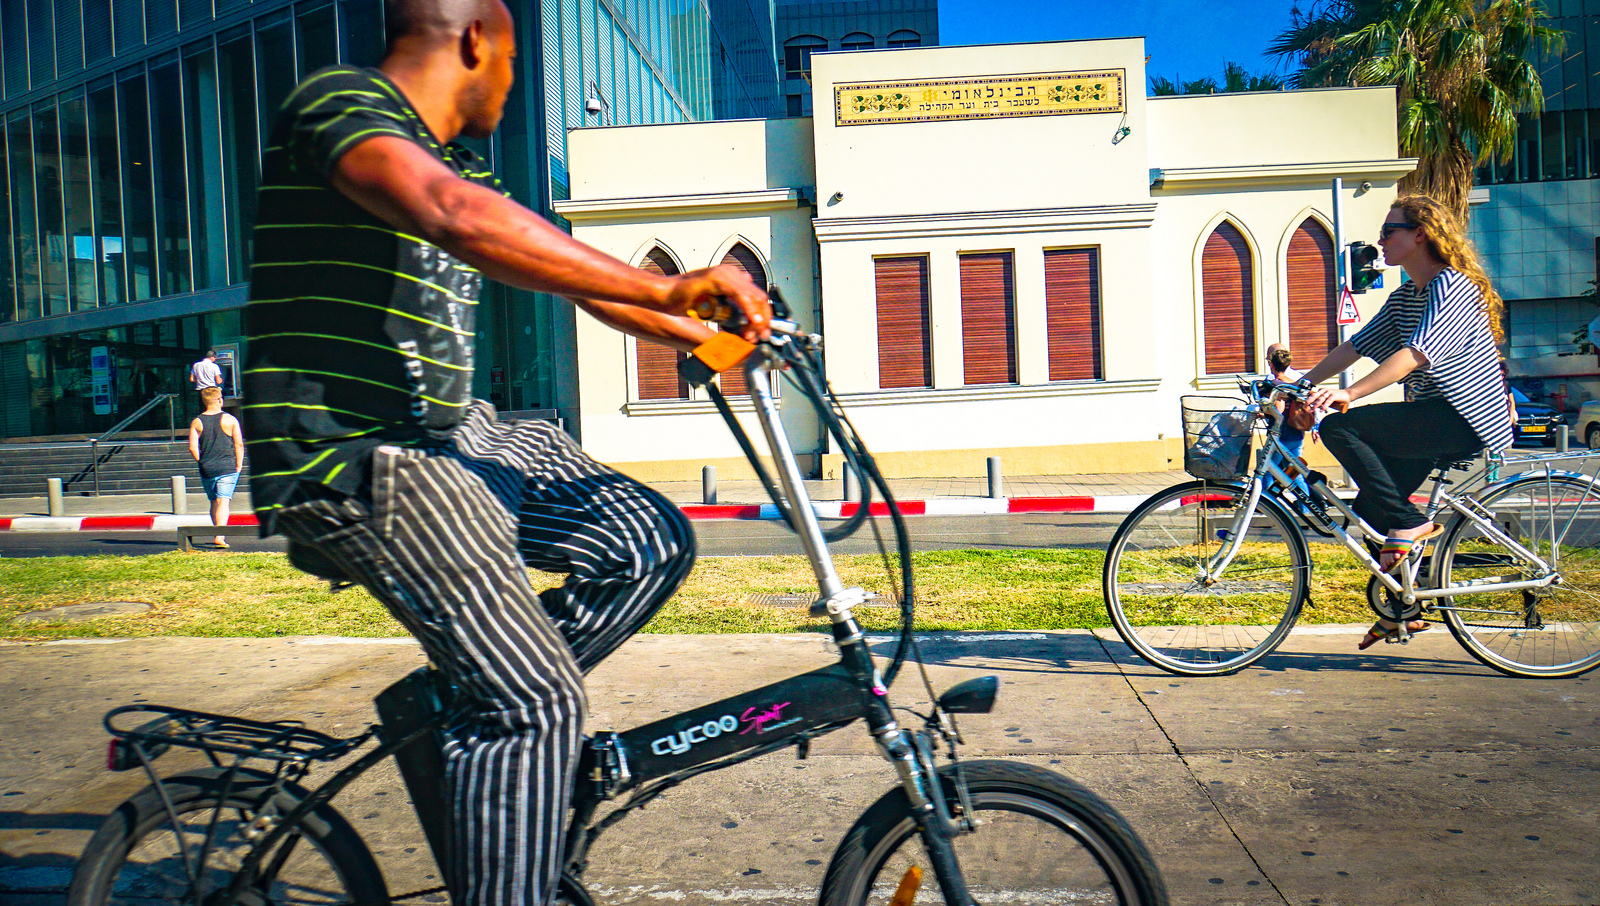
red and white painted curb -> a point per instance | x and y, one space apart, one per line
827 509
130 523
937 506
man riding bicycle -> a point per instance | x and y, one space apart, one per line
373 238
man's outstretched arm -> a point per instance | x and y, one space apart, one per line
401 184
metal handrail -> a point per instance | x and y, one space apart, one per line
94 442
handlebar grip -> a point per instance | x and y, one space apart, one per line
712 308
718 310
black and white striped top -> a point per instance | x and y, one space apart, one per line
1446 322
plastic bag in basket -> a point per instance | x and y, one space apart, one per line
1221 451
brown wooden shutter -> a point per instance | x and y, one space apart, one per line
741 257
1072 313
904 357
657 365
988 323
1229 303
1313 295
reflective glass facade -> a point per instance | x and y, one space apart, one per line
130 134
804 27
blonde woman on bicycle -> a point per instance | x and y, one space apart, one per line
1437 334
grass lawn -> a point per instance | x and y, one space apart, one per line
257 595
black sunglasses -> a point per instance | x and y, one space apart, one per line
1388 229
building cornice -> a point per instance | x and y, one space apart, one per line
656 207
997 392
1262 175
1034 220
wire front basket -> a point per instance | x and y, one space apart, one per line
1216 437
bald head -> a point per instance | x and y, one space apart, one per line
437 20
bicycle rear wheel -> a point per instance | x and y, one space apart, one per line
1043 839
1165 608
1547 632
140 856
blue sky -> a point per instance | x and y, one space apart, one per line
1183 38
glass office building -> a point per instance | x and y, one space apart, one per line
1536 219
130 137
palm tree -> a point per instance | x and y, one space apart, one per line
1234 78
1463 68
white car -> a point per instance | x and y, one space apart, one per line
1588 424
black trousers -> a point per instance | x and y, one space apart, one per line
1389 449
442 542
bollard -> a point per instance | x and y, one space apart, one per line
180 496
1563 437
996 491
58 507
708 485
852 483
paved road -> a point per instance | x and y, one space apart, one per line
1322 777
718 538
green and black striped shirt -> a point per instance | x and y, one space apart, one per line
359 335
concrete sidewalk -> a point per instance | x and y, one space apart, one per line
1402 775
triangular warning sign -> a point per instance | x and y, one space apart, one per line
1347 309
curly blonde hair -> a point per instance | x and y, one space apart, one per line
1448 242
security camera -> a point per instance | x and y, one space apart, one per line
592 105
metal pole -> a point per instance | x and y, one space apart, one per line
852 487
58 507
996 490
708 485
172 418
1563 437
180 496
94 463
1341 267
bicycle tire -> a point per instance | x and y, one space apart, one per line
134 856
1174 622
1546 633
1044 839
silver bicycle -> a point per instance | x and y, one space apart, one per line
1208 577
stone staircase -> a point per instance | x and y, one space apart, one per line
130 466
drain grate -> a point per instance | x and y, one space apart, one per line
71 613
803 600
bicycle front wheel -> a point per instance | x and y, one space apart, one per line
1041 839
140 855
1176 617
1547 632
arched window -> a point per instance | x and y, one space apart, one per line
857 40
742 258
656 366
1313 295
905 37
1228 301
797 55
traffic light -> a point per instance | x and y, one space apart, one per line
1364 272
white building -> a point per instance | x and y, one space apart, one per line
1010 250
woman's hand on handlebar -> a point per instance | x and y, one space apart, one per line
1324 398
720 292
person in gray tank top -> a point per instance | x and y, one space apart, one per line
217 443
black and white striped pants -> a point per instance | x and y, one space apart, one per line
442 543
